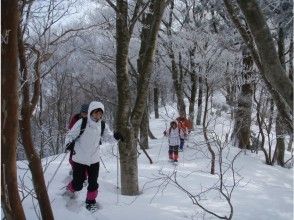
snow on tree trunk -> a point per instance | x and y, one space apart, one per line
264 39
269 59
200 94
193 78
242 125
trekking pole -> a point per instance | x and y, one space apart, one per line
161 143
160 148
104 164
56 170
117 171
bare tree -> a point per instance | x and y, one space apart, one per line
228 180
27 108
177 75
10 199
280 131
272 67
128 117
194 79
30 93
205 128
241 133
264 54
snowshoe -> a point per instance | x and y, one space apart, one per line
68 194
92 207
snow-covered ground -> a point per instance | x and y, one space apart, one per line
263 192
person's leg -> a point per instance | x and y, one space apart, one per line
78 177
182 142
170 152
176 153
70 160
93 172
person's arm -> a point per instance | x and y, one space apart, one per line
166 133
73 133
109 136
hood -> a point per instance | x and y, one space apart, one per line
94 105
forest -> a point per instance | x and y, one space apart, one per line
139 58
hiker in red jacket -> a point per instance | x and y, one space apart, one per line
185 126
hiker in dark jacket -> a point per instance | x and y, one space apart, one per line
86 153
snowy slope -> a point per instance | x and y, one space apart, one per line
264 192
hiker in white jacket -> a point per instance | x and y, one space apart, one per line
173 134
86 152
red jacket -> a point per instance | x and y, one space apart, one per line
184 124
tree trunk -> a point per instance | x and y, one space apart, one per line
176 76
128 122
193 78
273 69
128 148
291 78
242 125
260 121
280 132
269 127
248 39
290 143
144 125
10 199
280 146
156 102
144 130
199 110
27 107
291 60
205 130
154 19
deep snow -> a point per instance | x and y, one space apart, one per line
263 192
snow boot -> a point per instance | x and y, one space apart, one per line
91 205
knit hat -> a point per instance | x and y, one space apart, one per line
84 108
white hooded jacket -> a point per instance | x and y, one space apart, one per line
174 135
87 147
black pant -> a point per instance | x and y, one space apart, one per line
79 176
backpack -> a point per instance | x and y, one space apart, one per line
73 120
70 146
